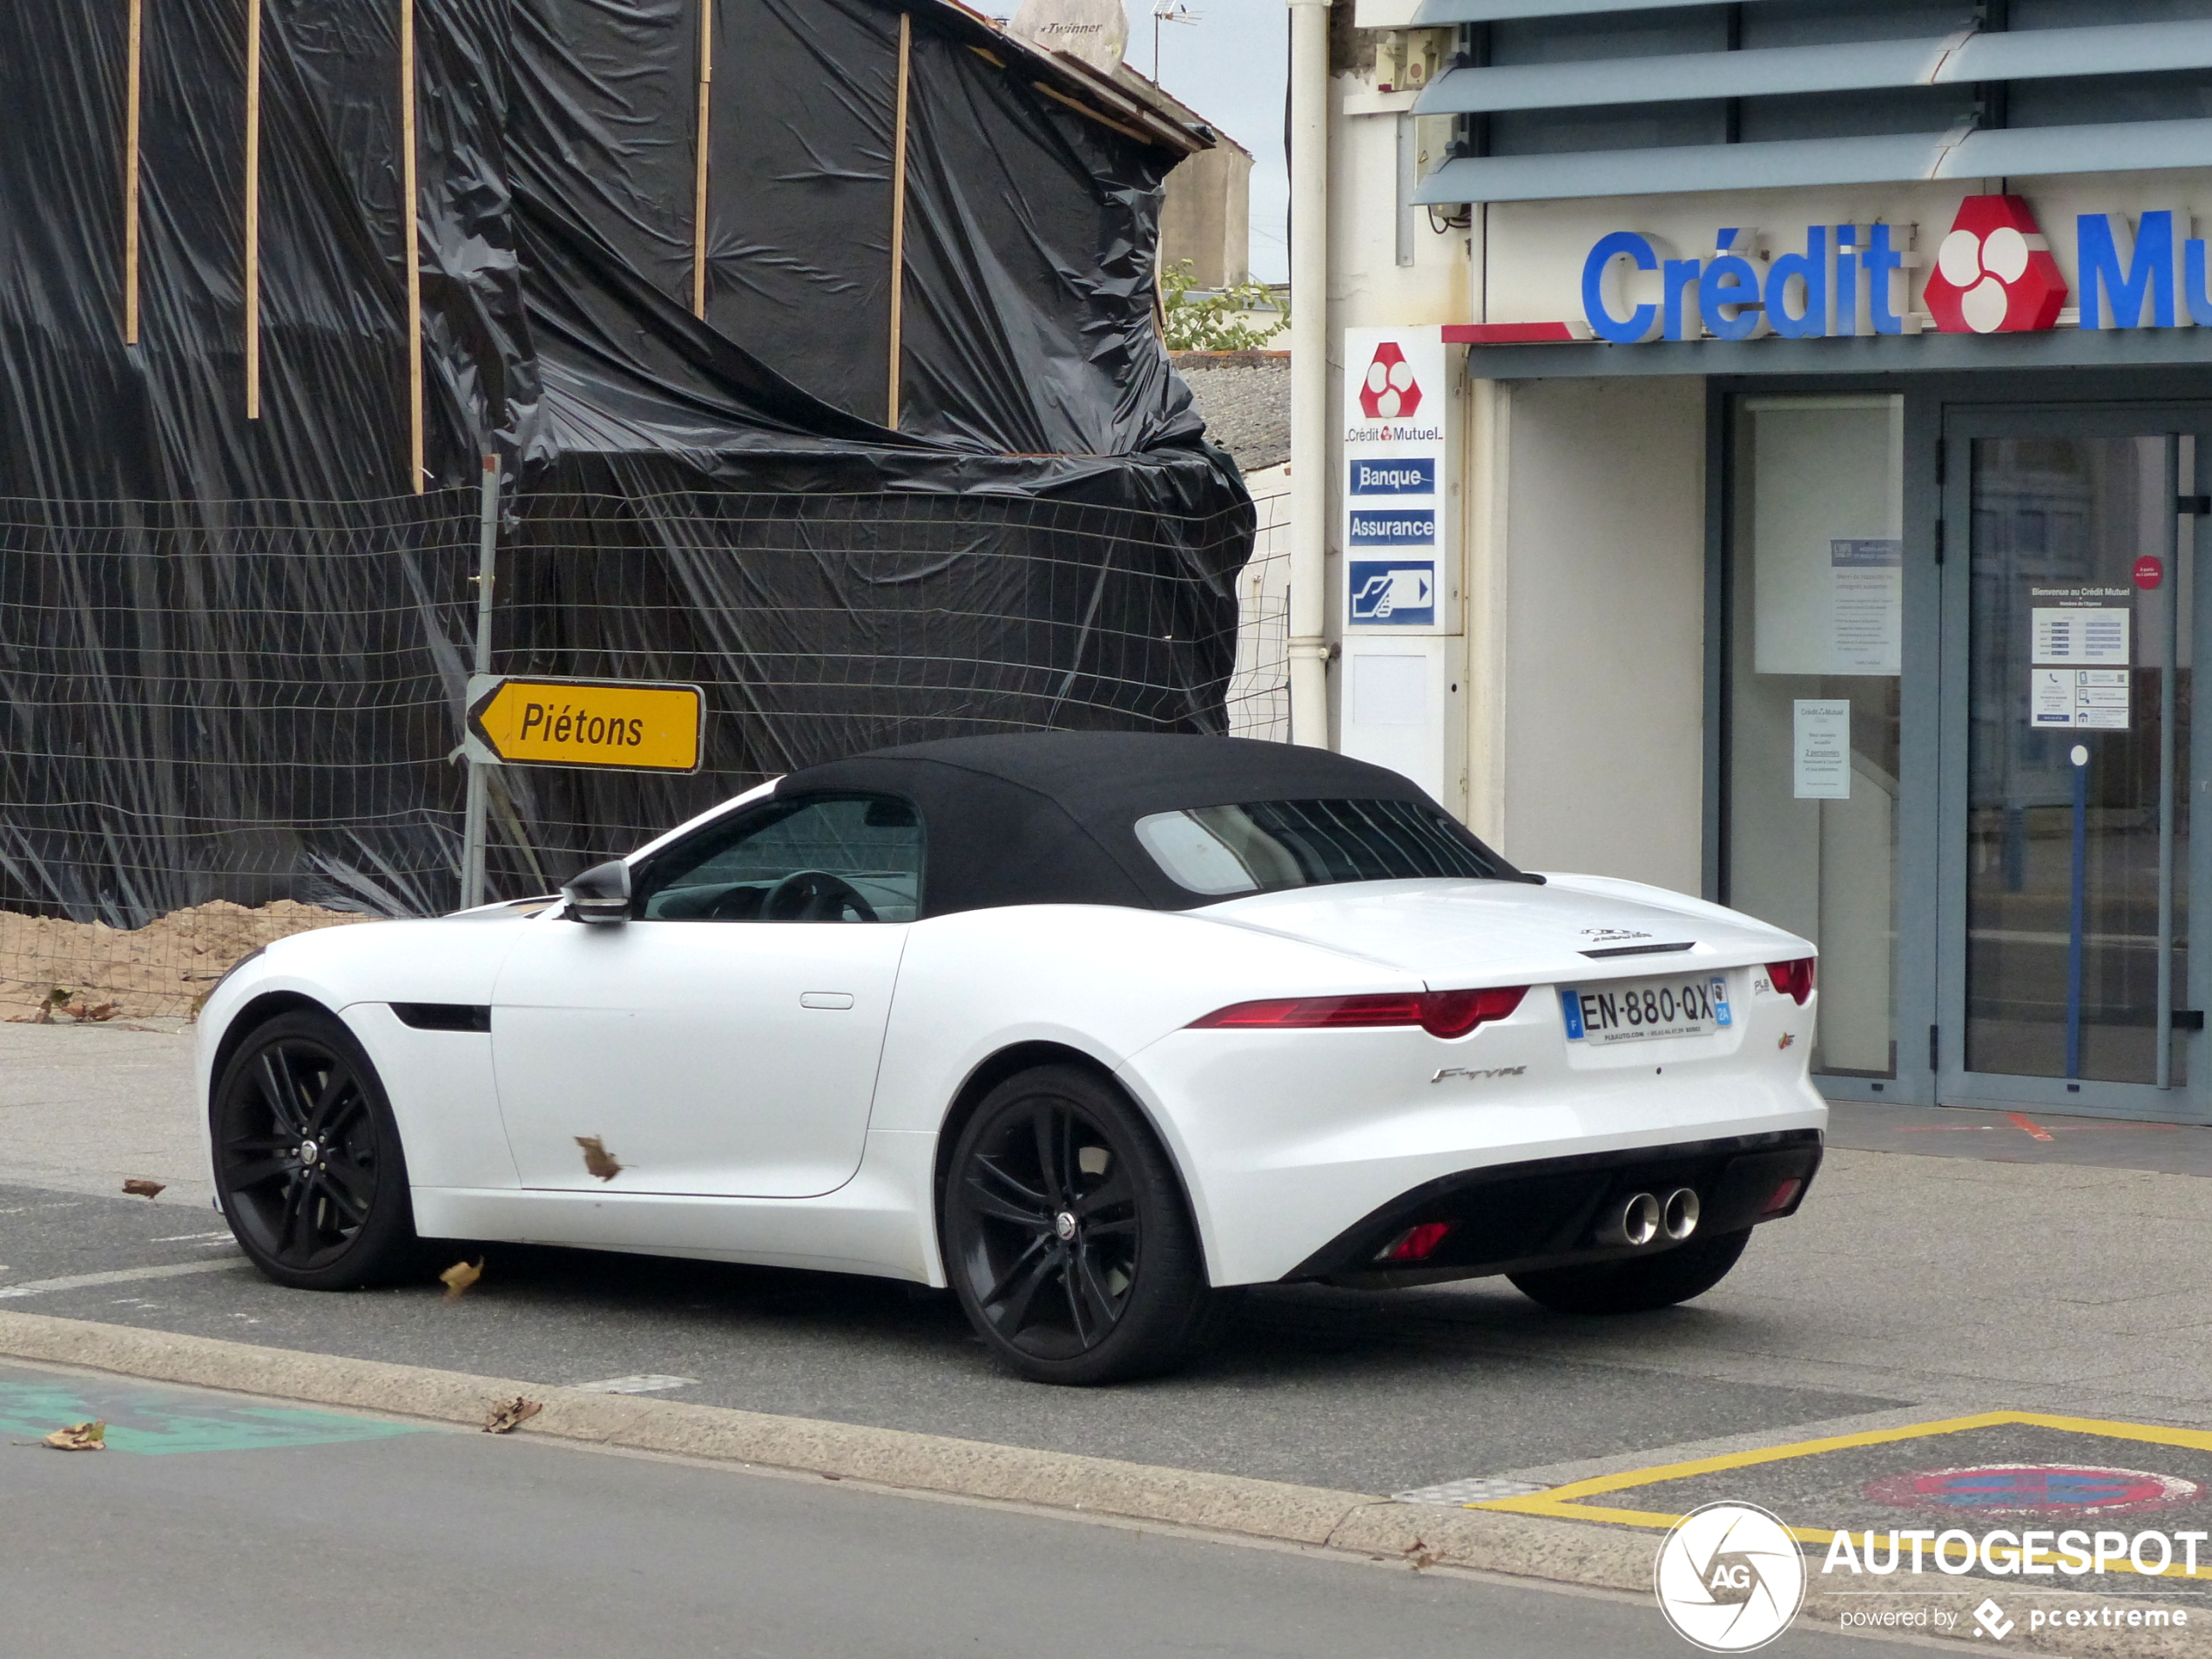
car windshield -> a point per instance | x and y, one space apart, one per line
1263 846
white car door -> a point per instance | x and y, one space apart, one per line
725 1040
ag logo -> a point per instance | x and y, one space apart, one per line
1994 273
1730 1578
1391 389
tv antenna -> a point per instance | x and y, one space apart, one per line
1168 11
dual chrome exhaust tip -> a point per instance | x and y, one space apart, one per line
1643 1217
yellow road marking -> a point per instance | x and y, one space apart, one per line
1563 1503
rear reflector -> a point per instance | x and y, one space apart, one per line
1441 1014
1782 1197
1793 979
1415 1244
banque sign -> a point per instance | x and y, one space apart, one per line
1993 273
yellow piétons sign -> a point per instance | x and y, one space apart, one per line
617 724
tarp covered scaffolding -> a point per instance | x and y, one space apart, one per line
817 336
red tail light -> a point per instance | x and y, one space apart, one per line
1793 979
1441 1014
1415 1244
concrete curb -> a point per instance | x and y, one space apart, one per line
1521 1545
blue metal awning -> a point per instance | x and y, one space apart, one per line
2111 49
1798 163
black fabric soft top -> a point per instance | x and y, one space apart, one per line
1049 817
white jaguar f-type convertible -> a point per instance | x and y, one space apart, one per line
1092 1027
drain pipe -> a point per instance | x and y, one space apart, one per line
1308 133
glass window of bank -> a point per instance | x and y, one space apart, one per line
1817 608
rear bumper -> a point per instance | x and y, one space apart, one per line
1543 1213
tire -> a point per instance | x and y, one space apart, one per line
308 1167
1066 1234
1638 1284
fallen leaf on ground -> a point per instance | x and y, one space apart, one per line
596 1159
505 1420
93 1012
139 1189
1419 1553
79 1437
459 1277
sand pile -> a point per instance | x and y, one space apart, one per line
162 968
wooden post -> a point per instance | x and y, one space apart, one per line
698 195
253 210
899 211
131 108
411 227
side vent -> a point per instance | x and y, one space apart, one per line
444 1016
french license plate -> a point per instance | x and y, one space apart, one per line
1691 1005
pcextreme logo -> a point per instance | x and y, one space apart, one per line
1390 389
1730 1578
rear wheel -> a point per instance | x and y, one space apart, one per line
308 1161
1066 1234
1639 1284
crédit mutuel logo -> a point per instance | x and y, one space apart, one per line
1730 1578
1390 389
1994 272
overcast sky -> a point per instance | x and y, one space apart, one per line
1230 65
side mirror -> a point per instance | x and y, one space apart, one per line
601 894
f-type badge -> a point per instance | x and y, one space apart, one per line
1494 1071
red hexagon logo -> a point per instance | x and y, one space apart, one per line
1994 273
1390 389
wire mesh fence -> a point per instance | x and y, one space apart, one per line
221 724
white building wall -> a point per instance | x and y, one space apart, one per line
1259 697
1599 684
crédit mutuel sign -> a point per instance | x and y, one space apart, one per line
1994 272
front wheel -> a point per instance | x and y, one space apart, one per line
1638 1284
308 1161
1066 1234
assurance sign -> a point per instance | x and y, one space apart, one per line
621 724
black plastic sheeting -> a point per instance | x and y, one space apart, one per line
232 650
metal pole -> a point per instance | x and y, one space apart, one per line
472 829
2170 670
2075 910
1310 448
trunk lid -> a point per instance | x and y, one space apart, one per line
1461 934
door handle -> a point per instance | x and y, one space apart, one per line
826 999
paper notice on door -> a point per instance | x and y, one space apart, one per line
2080 636
2091 699
1823 750
1866 606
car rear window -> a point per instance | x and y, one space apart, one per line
1265 846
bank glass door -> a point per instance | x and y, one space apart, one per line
2068 600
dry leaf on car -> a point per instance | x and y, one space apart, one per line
79 1437
459 1277
596 1159
139 1189
506 1418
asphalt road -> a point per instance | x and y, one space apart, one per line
1910 1287
1367 1393
232 1529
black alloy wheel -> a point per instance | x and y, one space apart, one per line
308 1160
1637 1284
1066 1234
